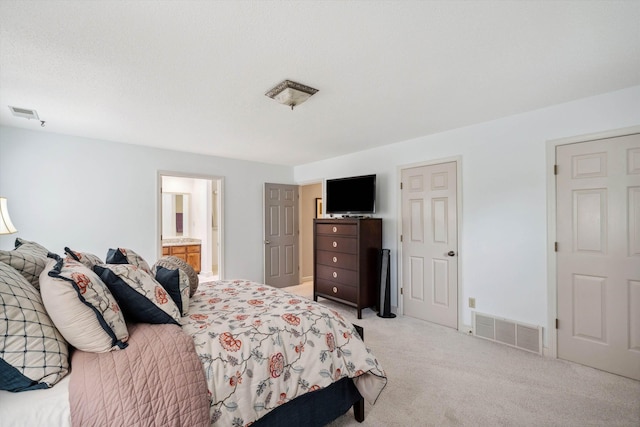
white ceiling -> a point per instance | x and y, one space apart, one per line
191 75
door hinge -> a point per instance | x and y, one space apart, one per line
555 246
401 238
557 323
401 186
401 291
555 169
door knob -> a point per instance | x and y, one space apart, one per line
266 242
451 253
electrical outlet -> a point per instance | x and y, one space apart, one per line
472 303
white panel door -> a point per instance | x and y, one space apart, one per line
430 243
281 235
598 258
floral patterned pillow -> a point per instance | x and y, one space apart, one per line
176 283
127 256
172 262
87 259
141 297
82 308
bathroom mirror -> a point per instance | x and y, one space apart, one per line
175 215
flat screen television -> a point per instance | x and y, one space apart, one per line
352 195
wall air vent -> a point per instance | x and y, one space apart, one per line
509 332
26 113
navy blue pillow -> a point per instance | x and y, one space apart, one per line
114 256
170 280
12 380
135 306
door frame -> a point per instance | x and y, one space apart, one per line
301 218
458 161
550 338
220 216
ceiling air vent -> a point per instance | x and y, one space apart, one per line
24 112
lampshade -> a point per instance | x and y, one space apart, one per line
291 93
6 226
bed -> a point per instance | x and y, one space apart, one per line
264 357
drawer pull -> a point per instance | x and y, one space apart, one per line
335 275
335 290
335 229
335 259
335 244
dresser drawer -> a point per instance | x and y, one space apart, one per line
337 229
178 250
337 259
337 244
337 275
347 293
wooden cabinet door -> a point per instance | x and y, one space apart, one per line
193 257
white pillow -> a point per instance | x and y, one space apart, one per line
82 307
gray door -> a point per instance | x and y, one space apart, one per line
598 259
281 234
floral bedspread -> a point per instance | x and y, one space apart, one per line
262 347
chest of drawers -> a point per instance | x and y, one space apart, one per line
346 254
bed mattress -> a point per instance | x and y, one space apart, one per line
52 404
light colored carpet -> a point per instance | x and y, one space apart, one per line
440 377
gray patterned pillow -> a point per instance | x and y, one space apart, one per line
29 258
33 354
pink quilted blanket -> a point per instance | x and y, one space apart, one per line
157 380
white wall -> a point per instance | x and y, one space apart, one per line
92 195
503 236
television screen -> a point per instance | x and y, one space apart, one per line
353 195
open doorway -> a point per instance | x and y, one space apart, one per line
310 208
190 221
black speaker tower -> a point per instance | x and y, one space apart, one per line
384 305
